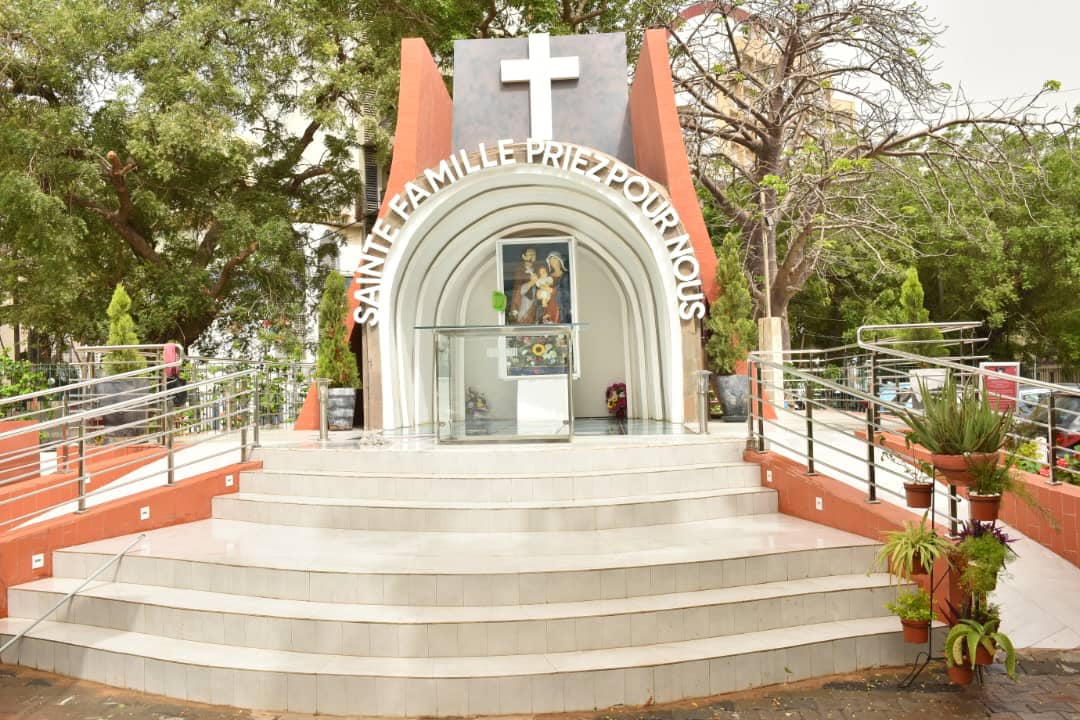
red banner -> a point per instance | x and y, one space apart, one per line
1002 393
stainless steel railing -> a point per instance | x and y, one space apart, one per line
824 397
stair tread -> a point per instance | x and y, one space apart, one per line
494 504
206 601
511 475
244 658
236 543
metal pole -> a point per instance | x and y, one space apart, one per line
703 400
871 430
170 458
761 411
953 509
322 386
1050 407
82 465
255 402
243 444
810 429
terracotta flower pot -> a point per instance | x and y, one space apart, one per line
918 568
961 674
916 631
954 468
984 507
918 495
984 656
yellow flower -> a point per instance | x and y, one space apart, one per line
538 349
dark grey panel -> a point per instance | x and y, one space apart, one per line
592 110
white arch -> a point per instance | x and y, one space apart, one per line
458 226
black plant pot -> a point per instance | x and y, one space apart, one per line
733 391
121 390
340 405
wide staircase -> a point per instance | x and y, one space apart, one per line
417 581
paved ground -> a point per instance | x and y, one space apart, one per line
1049 689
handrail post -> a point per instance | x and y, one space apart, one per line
1051 478
703 400
871 429
228 405
761 410
243 443
169 456
810 428
255 412
82 465
322 386
750 444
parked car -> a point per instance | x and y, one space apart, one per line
1029 398
1066 421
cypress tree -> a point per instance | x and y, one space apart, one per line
730 320
335 360
122 332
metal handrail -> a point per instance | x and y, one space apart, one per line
124 404
86 383
50 611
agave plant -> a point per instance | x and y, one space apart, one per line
957 421
968 635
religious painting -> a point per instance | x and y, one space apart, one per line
535 274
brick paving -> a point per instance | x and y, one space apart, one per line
1048 689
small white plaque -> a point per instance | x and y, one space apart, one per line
144 513
37 561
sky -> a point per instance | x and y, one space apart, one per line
1005 48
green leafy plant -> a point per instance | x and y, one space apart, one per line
1030 457
730 321
957 421
122 332
18 377
994 478
903 549
912 605
965 638
335 360
984 557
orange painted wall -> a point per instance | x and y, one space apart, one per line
659 151
187 501
421 139
104 465
842 507
14 466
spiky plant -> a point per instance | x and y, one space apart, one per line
914 544
957 421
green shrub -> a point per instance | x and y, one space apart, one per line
730 320
912 605
335 360
122 332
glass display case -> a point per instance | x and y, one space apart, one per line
503 383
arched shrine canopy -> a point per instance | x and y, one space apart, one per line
642 266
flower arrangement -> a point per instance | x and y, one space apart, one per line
537 355
616 400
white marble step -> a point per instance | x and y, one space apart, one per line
533 683
511 485
405 631
582 455
439 568
497 516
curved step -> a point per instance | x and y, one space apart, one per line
584 454
512 516
406 631
504 486
474 568
552 682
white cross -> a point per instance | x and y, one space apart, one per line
539 70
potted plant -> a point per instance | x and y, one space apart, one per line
121 359
969 639
913 609
919 482
984 551
335 361
911 551
959 428
732 333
